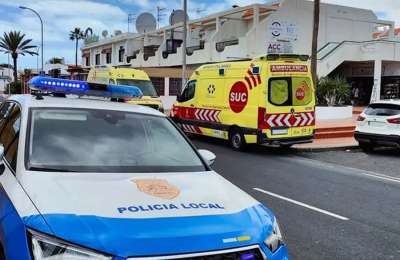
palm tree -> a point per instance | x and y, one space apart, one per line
314 47
76 35
15 44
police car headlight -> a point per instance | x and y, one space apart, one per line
48 248
275 239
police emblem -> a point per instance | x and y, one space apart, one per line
158 188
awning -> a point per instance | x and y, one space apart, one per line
106 50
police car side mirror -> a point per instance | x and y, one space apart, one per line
208 156
2 167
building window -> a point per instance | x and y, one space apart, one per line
159 85
108 57
87 61
175 85
121 54
97 58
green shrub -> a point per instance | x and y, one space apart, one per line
333 91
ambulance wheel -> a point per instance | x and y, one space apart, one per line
286 147
237 140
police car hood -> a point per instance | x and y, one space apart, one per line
146 214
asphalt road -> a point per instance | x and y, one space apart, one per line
326 211
383 160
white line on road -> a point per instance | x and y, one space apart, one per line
302 204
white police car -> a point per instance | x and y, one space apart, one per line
84 179
379 125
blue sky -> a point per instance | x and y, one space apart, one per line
61 16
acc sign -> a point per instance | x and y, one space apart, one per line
238 97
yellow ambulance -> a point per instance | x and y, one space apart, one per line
269 100
129 77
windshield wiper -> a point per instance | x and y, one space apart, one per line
45 169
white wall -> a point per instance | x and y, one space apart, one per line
5 72
337 24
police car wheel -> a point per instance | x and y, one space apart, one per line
366 147
2 256
236 139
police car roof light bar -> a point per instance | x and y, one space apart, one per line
83 88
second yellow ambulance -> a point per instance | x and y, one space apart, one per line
128 77
269 100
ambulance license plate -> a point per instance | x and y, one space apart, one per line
281 131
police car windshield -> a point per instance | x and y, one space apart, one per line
86 140
146 86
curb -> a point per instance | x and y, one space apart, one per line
326 149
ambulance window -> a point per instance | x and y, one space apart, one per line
279 92
188 92
302 91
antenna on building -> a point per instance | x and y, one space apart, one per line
177 16
131 18
198 11
104 33
146 22
160 15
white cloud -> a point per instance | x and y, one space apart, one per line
60 17
141 3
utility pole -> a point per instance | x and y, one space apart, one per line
9 75
184 43
160 15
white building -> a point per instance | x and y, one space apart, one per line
352 42
6 76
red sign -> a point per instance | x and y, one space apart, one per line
238 97
300 93
289 68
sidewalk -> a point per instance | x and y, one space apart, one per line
341 142
329 144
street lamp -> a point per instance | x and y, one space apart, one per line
184 44
41 25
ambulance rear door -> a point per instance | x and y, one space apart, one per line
290 102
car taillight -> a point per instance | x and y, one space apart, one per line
394 120
360 118
262 124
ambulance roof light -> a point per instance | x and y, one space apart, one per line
272 57
255 70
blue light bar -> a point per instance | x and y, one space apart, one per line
124 91
58 85
83 88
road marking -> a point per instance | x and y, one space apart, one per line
346 169
302 204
